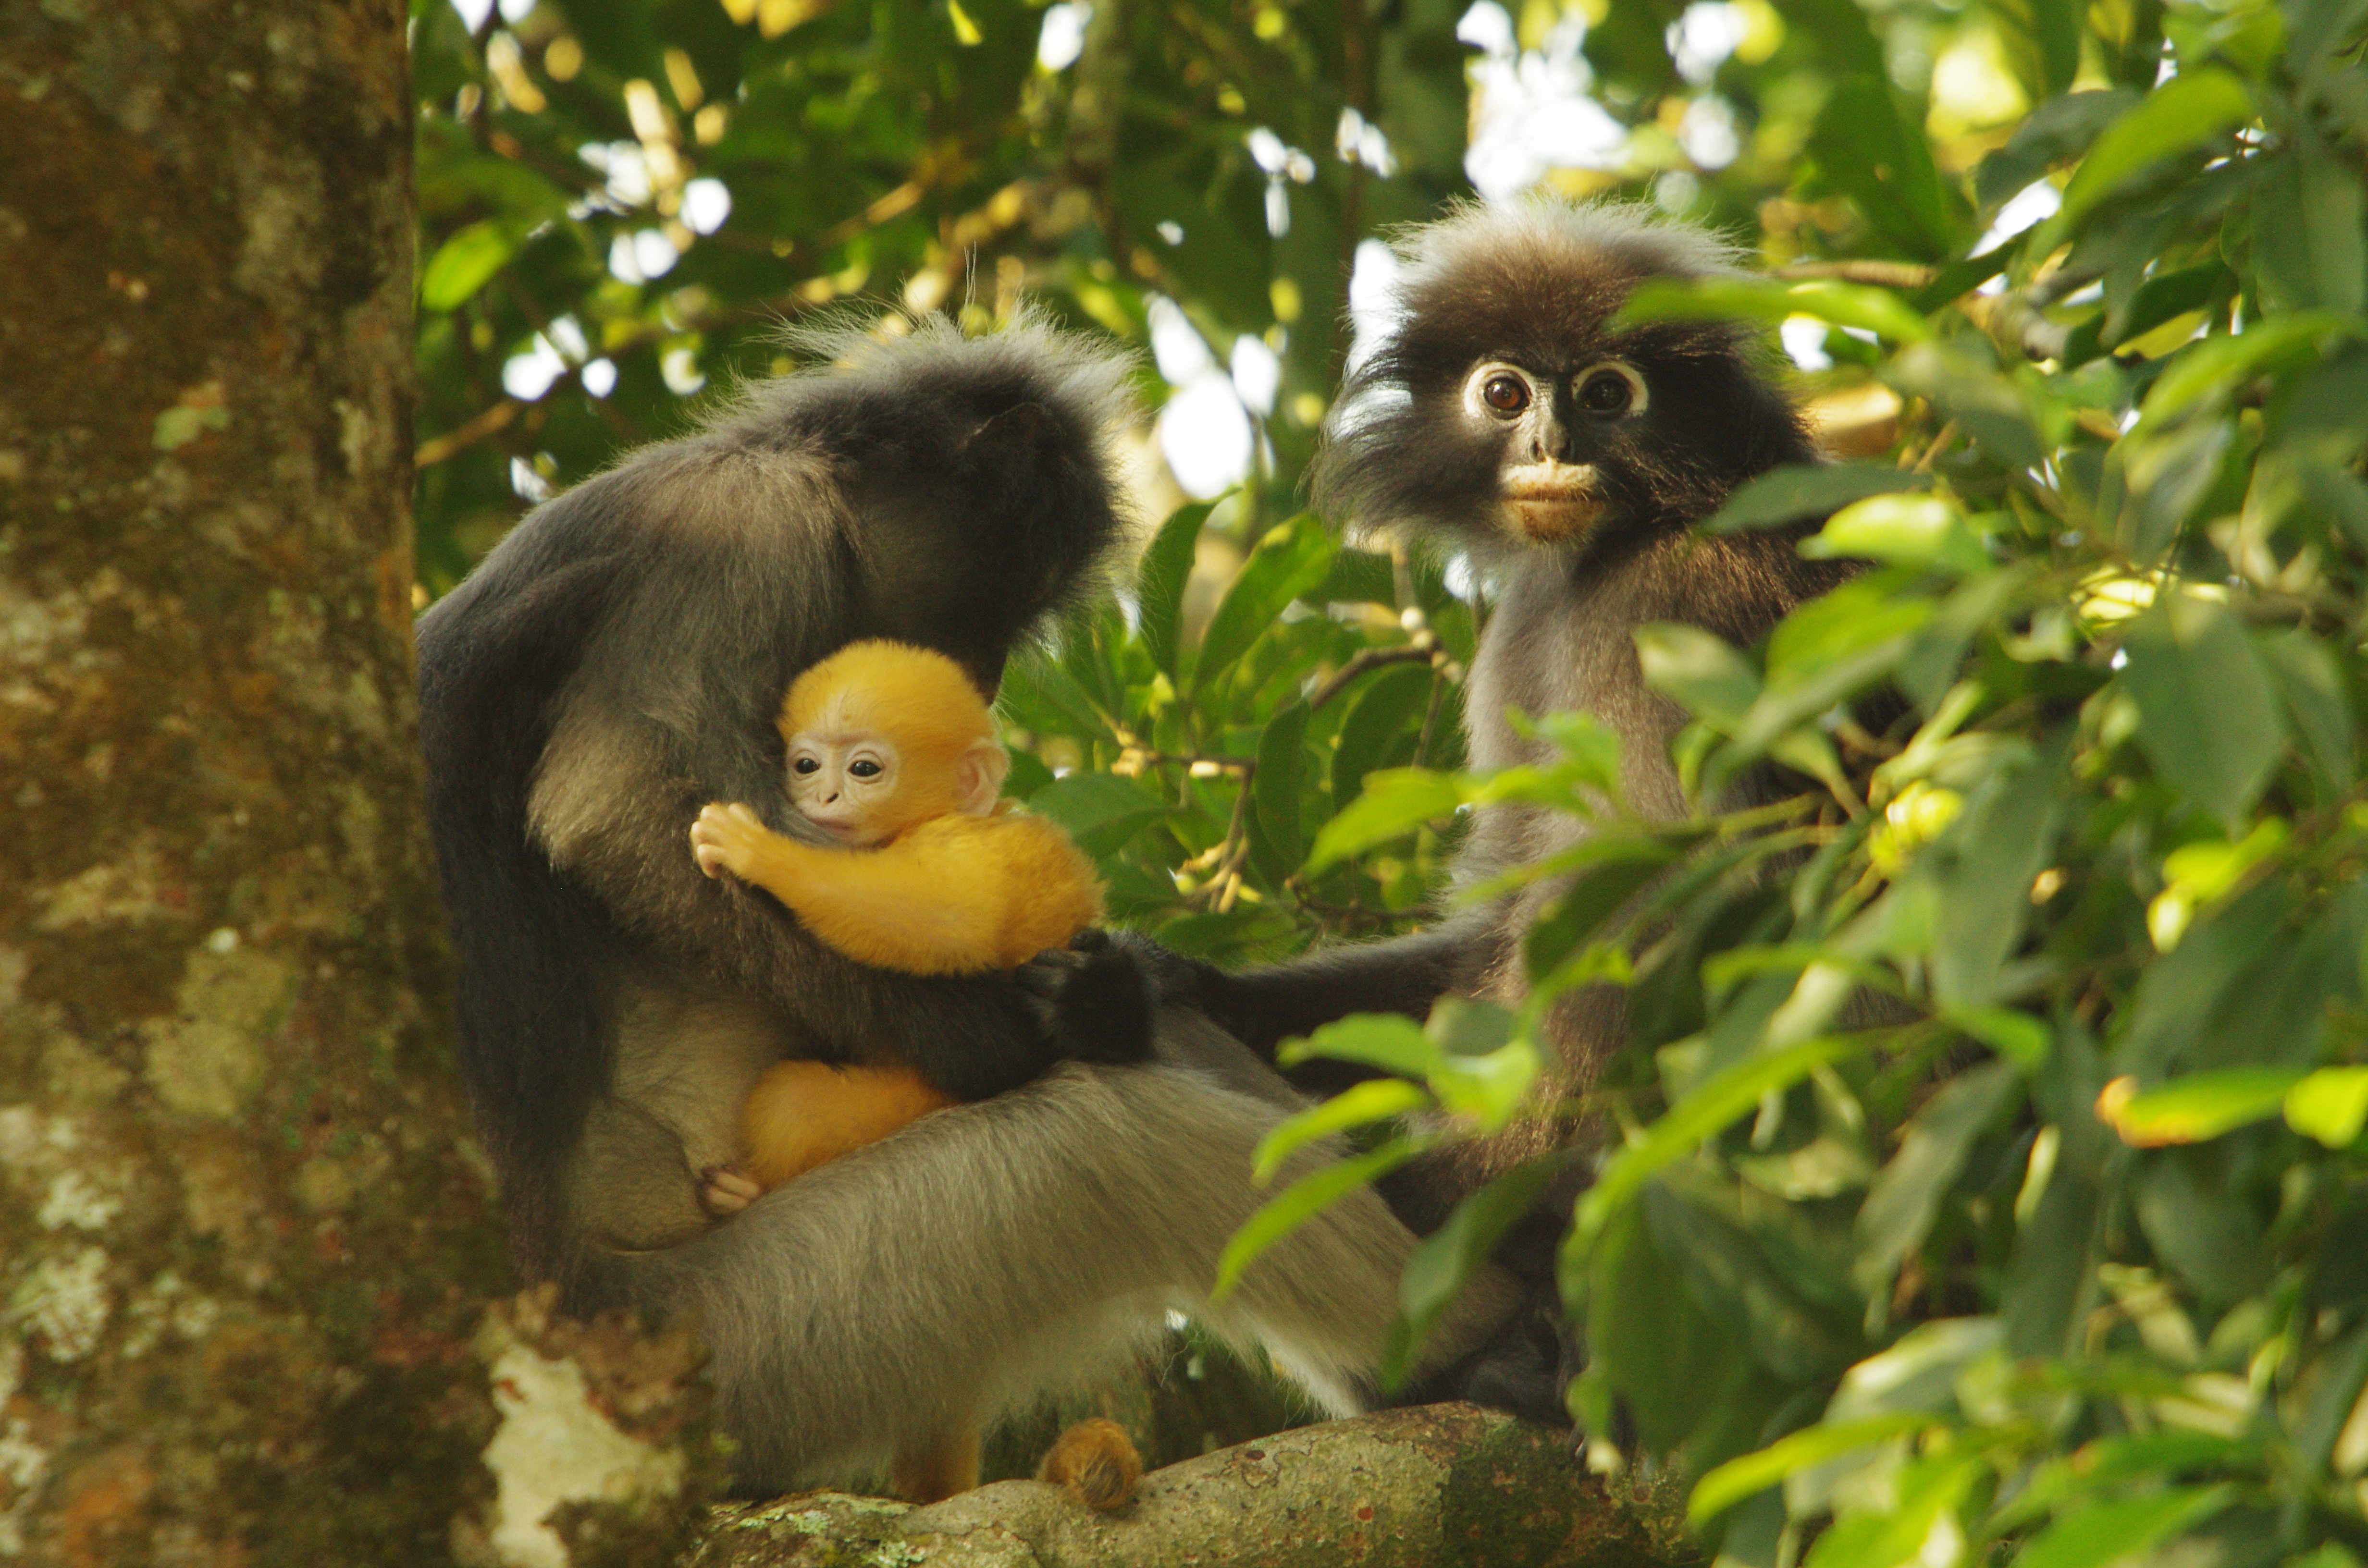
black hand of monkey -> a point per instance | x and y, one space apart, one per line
1094 998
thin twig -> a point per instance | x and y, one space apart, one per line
1373 659
1884 274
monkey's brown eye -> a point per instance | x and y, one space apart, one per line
867 768
805 765
1505 392
1607 394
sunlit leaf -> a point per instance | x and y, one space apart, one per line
464 264
1906 530
1161 579
2185 112
1300 1202
1703 1113
2107 1532
1387 1040
1790 494
2194 1108
1448 1258
1288 561
1732 1482
1395 801
1360 1105
2330 1105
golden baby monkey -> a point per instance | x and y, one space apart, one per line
892 752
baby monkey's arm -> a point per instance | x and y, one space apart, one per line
954 895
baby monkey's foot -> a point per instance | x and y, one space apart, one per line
725 839
1096 1462
723 1191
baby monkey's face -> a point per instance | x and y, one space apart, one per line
843 781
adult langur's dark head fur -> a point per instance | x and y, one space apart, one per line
1503 408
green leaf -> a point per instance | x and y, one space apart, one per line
1390 1041
1444 1261
1737 1479
1300 1202
1906 1193
464 264
2107 1532
2310 243
1594 896
1101 810
1699 669
2184 113
1277 793
1397 801
1905 530
2198 1107
1290 561
1384 715
1166 571
1770 302
2059 128
1708 1110
2208 716
1376 1099
1869 151
2330 1105
1796 491
2316 700
2218 368
2041 40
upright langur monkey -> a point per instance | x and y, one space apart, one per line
1504 416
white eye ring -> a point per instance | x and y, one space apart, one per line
1639 395
1475 390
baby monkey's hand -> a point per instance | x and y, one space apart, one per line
725 839
723 1191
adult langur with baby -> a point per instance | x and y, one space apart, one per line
614 664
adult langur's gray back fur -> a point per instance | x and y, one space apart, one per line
615 664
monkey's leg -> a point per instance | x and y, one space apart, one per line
803 1114
994 1252
933 1470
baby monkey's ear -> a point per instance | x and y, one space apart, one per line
978 777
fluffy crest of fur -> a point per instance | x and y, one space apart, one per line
1535 284
922 698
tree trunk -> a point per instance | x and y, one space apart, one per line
244 1240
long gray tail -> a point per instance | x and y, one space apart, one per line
985 1254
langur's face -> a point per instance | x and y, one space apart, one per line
1555 430
1510 406
846 782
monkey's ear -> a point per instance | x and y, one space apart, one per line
978 778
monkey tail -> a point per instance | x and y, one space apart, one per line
493 655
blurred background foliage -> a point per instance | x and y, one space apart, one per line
2058 1254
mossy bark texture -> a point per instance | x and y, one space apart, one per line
243 1242
1442 1486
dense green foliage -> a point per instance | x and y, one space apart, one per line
2064 1258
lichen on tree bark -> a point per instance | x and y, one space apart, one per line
245 1237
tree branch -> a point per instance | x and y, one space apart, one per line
1436 1486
